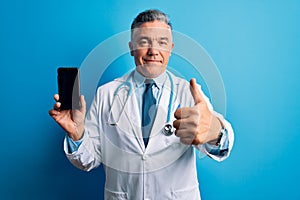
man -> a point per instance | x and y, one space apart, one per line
123 129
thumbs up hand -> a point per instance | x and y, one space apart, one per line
197 124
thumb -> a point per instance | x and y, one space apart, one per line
195 91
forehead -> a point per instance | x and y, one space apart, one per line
153 29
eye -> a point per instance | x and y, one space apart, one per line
163 43
143 43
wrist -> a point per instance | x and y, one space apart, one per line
217 131
77 133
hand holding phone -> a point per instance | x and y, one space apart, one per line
69 109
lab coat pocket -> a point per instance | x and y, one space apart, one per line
187 194
112 195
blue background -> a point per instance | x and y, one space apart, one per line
255 44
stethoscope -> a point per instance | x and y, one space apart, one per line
168 129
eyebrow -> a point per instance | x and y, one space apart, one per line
164 38
148 38
143 37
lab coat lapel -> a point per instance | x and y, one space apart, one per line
130 120
136 120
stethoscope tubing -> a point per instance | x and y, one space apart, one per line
168 128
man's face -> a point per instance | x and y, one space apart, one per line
151 45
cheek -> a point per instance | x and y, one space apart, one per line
137 57
138 54
166 56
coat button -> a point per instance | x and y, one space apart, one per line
144 157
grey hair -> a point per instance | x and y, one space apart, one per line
150 16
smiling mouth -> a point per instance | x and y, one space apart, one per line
152 61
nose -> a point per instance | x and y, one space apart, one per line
152 51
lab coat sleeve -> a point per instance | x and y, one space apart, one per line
222 151
88 154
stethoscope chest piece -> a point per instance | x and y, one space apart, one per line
168 130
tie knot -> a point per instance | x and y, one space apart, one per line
149 83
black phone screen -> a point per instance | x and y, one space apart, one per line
68 88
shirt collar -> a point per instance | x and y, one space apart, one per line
139 79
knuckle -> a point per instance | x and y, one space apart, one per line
176 124
194 123
195 111
176 133
177 113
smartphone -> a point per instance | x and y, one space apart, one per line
68 88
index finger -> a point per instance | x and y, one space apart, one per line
184 112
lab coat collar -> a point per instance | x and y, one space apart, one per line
139 79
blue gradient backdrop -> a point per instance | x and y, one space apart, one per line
255 44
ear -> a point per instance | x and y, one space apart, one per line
131 48
172 48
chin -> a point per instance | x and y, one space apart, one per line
152 71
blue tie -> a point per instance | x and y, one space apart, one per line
149 109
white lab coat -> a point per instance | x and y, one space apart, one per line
166 169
